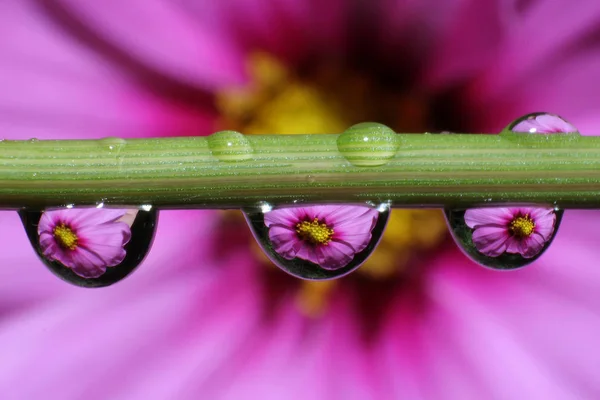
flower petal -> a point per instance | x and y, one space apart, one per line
499 216
491 240
335 255
284 240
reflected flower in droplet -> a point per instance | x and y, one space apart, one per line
544 123
328 236
518 230
85 240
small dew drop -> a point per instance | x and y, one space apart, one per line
368 144
310 179
318 242
92 246
113 143
230 146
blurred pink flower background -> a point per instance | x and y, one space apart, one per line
204 317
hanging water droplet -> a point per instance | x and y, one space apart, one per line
318 241
504 237
510 237
91 247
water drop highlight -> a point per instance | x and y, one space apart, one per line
91 247
318 242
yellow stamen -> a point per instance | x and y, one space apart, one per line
329 99
65 237
522 227
314 232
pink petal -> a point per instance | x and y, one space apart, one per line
106 241
54 86
531 246
88 264
159 36
340 215
288 216
491 240
335 255
469 42
301 26
284 240
499 216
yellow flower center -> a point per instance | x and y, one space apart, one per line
522 227
329 99
65 237
314 232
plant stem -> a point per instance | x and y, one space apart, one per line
426 170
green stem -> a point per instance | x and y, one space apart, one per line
229 170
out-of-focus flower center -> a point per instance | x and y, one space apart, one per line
65 237
314 232
522 227
329 99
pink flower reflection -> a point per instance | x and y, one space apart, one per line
544 123
87 240
523 231
328 236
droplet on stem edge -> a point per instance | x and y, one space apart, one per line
91 247
318 242
510 237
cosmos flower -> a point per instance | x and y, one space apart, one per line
87 240
221 324
522 231
328 236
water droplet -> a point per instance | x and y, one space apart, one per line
113 143
368 144
510 237
230 146
318 241
504 237
90 247
541 122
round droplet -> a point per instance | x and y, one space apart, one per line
504 237
544 123
368 144
113 143
318 241
91 247
230 146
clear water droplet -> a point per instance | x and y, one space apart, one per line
90 247
504 237
318 242
540 122
230 146
368 144
510 237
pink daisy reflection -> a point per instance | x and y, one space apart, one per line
328 236
87 240
544 123
522 231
